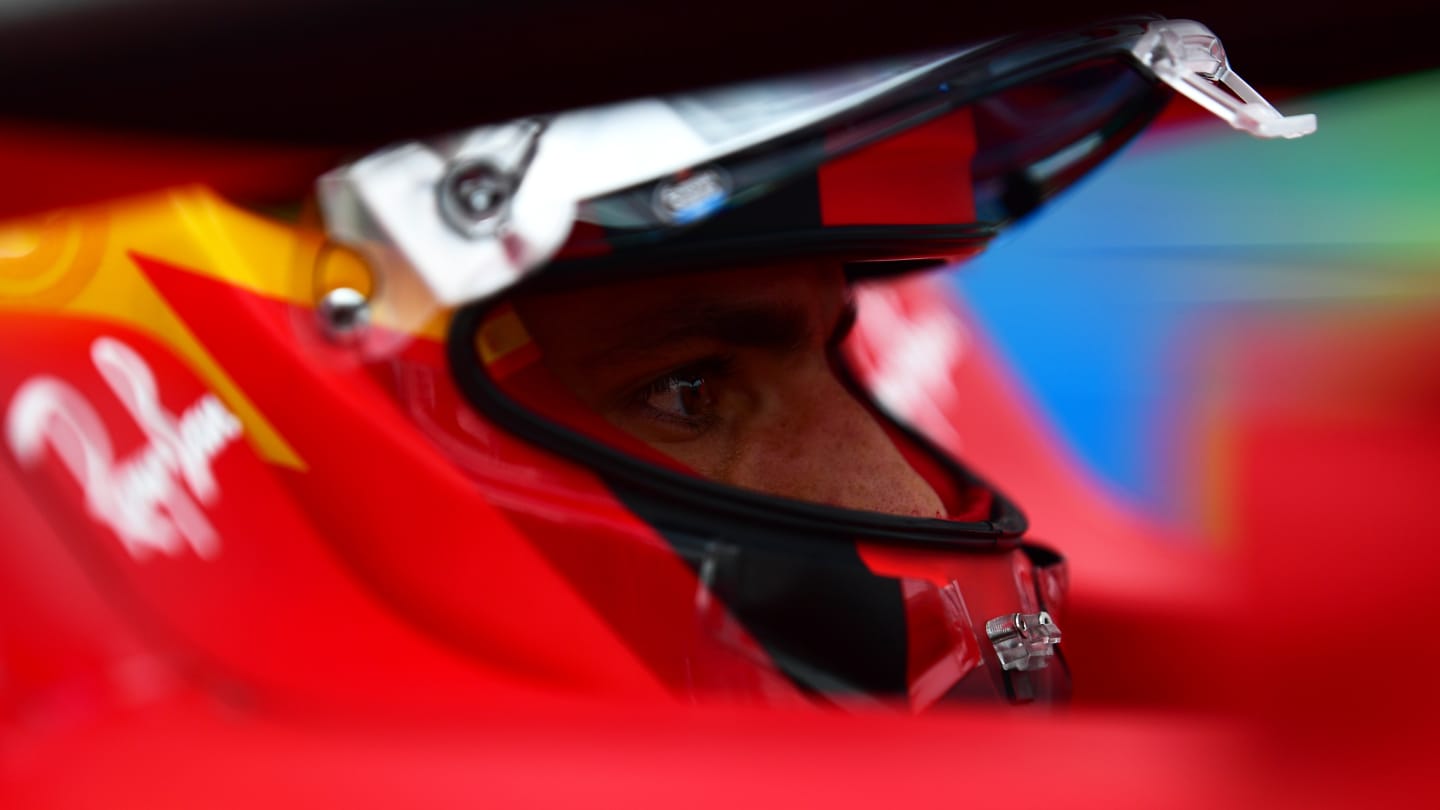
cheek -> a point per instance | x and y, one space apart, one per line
715 454
819 444
709 450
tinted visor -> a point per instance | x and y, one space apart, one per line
935 175
913 158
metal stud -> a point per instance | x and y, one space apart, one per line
344 313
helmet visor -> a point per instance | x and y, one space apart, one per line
824 163
927 177
921 157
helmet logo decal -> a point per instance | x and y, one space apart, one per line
692 196
152 499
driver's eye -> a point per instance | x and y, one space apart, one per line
687 397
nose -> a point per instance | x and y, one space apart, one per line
816 442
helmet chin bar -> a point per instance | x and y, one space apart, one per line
1189 58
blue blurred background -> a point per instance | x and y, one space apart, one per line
1099 301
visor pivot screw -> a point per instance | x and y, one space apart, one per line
473 196
344 314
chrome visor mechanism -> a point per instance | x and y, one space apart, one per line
1189 58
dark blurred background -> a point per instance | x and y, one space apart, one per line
360 71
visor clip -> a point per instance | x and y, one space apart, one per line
1190 59
1023 641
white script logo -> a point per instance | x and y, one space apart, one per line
140 497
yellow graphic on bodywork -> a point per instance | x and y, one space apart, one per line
77 262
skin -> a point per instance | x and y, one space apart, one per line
729 373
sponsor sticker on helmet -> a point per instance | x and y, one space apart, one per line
692 196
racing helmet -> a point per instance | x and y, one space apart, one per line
648 398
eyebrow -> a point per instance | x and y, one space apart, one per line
775 326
